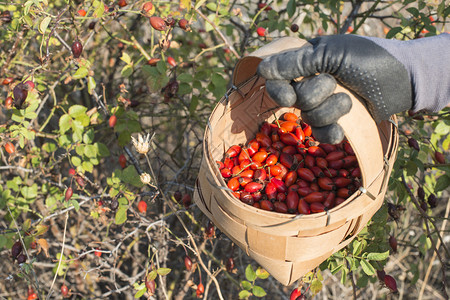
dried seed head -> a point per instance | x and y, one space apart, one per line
142 144
146 178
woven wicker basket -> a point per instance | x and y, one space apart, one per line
288 246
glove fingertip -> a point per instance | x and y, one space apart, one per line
281 92
330 134
266 68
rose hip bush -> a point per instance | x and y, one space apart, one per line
103 107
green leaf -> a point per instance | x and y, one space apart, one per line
87 166
442 128
199 3
50 202
414 11
98 13
393 32
3 241
80 73
211 6
127 71
163 271
27 7
184 89
362 281
336 269
102 150
65 122
77 128
246 285
250 273
344 273
367 267
88 136
140 293
75 204
212 18
411 168
193 105
28 20
351 262
121 215
94 161
290 8
30 115
80 150
258 291
44 24
244 294
49 147
161 67
185 77
442 183
91 84
129 175
29 192
14 183
90 151
414 269
77 111
17 116
356 247
152 275
378 256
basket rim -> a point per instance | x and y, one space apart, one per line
219 182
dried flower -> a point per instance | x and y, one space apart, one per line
142 144
146 178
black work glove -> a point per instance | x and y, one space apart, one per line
356 62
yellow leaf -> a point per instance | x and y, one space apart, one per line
41 229
43 245
185 4
316 286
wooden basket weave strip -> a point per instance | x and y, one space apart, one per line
289 246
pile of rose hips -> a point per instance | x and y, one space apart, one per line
284 169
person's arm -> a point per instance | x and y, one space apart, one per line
390 76
427 63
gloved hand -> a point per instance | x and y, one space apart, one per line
357 63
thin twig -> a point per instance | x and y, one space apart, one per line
18 168
438 244
222 36
161 280
355 8
135 42
58 18
60 257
